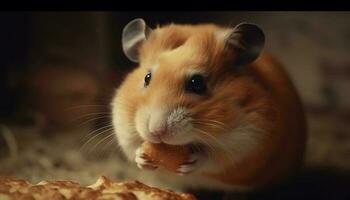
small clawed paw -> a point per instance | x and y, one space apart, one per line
142 161
190 164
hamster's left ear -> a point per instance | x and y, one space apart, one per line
247 40
134 34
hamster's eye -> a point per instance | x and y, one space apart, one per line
147 79
196 84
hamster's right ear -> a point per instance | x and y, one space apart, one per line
134 34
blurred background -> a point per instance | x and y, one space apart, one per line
59 71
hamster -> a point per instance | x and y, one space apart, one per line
216 89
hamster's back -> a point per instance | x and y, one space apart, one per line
272 75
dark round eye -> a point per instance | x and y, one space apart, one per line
196 84
148 78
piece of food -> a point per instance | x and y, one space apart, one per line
168 156
17 189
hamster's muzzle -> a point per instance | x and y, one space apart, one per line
172 127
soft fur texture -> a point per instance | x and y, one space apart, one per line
251 121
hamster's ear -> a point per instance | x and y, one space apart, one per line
247 40
134 34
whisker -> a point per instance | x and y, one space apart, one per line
93 115
221 146
95 118
98 129
85 106
91 149
105 128
213 153
211 148
209 135
109 143
102 140
212 123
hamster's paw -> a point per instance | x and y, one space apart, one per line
192 163
142 161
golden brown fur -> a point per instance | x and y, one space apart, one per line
259 96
